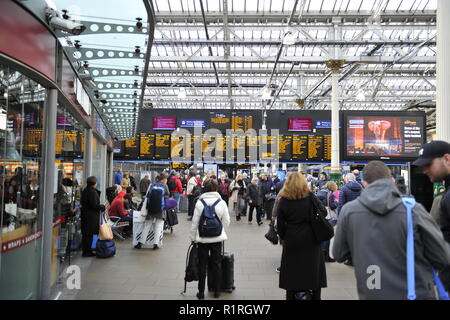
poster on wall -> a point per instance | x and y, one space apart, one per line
210 169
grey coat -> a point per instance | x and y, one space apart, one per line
372 230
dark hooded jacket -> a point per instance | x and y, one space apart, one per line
349 192
444 215
372 230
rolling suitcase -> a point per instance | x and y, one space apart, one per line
227 279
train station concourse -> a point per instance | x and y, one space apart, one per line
224 150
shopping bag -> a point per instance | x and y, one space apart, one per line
94 241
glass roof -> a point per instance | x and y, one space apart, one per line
240 51
109 45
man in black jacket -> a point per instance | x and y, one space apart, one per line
435 163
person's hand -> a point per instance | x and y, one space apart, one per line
250 201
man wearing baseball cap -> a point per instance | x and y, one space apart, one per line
435 163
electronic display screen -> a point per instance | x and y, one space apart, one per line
242 123
300 124
147 146
284 148
299 147
162 146
164 123
220 121
383 136
315 148
132 148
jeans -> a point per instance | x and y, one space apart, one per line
258 213
210 254
191 205
177 197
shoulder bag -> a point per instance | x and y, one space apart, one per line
323 231
409 203
105 232
272 235
331 214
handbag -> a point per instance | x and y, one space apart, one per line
144 210
409 203
331 214
272 235
104 232
322 230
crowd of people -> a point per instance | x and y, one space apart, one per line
367 213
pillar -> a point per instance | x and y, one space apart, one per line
47 186
88 150
335 67
443 71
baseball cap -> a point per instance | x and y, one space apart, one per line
430 151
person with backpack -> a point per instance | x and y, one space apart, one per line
210 219
373 231
156 199
175 188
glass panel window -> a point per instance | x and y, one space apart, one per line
22 104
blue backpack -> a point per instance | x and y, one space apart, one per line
155 202
210 224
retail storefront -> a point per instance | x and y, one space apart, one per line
44 116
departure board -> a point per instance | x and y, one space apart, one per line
315 148
284 148
147 146
252 148
209 147
196 147
242 123
221 122
268 148
220 148
299 147
131 148
239 147
327 148
177 144
162 146
33 142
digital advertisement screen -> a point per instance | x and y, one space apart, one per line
164 123
384 136
300 124
193 123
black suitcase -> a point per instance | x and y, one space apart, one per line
172 218
227 279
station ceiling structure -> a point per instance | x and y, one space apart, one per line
269 55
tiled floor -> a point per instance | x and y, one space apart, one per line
148 274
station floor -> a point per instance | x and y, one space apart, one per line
148 274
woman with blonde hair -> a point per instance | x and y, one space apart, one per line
302 272
238 189
126 182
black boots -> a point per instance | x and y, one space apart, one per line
327 257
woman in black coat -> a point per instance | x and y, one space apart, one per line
90 215
302 263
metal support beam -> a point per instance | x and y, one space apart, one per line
47 186
207 37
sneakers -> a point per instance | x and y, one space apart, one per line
200 296
278 269
260 223
155 247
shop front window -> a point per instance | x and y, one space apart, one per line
69 151
22 104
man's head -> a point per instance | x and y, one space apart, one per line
323 176
349 177
146 176
356 172
376 170
244 175
263 177
435 160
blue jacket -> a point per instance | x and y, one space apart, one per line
267 186
323 194
118 179
348 193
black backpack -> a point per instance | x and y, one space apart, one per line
171 183
210 225
192 272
